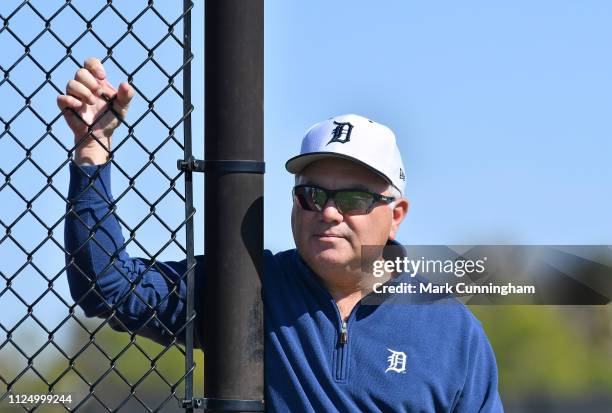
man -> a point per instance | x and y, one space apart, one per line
326 350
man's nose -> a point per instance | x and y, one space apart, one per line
330 212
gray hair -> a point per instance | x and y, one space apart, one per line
395 193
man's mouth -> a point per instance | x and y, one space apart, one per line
325 235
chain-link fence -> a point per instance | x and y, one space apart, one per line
52 357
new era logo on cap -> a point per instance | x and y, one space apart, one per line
355 138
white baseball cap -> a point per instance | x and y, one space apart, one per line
357 139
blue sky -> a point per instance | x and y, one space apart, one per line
501 111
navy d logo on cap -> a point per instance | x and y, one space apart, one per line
343 129
357 139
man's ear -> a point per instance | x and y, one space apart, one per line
399 212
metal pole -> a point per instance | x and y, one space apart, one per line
188 108
232 322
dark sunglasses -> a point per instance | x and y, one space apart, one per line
348 201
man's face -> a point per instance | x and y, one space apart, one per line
330 241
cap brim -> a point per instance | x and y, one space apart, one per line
298 163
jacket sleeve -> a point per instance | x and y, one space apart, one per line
480 393
136 295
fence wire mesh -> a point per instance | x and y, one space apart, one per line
47 345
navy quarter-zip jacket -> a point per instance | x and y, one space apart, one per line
390 357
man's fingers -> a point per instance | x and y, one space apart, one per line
85 77
95 67
124 96
80 91
65 101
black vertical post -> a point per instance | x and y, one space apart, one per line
232 322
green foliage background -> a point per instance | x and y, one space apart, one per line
134 379
560 352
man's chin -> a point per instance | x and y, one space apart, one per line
328 245
331 257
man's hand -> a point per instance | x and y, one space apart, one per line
85 94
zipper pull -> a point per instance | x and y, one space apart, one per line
344 333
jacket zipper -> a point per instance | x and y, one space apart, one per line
342 353
344 333
342 356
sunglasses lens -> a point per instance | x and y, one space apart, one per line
310 199
353 202
319 198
